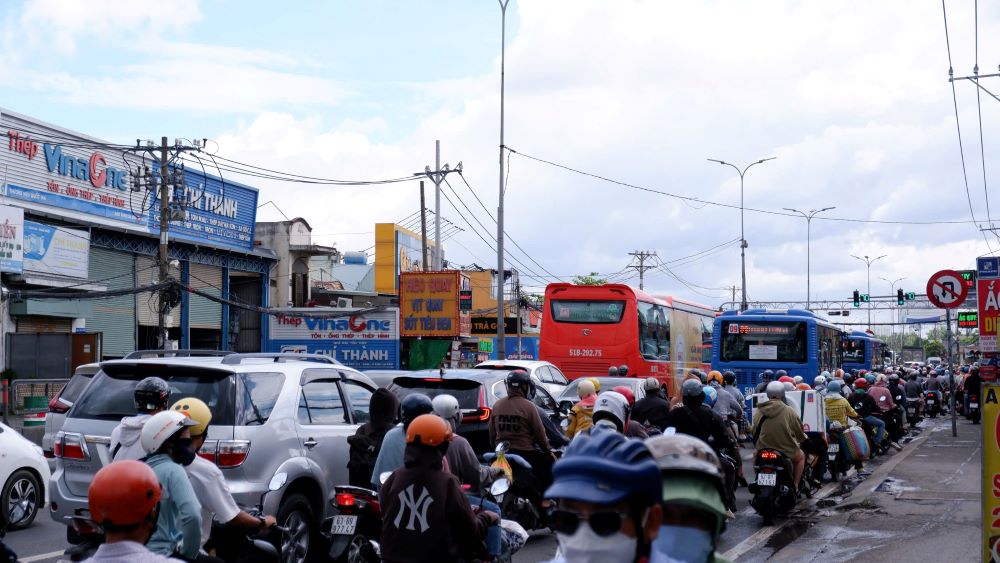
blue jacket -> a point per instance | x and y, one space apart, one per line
179 525
390 456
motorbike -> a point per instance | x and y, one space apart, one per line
521 504
773 488
7 554
836 463
354 530
913 412
974 413
234 545
933 405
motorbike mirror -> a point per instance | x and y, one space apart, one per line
499 487
564 423
502 448
383 477
277 481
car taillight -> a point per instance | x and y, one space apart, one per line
208 450
232 453
482 414
70 445
57 406
344 499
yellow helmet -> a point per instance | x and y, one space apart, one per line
195 409
597 384
716 375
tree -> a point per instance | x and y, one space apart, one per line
591 279
934 348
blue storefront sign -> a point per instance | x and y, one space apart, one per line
362 340
527 351
987 267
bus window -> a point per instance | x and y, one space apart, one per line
706 339
828 339
588 312
854 351
654 332
748 340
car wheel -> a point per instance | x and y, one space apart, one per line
296 516
20 499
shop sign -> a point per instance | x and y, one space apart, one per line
361 340
429 303
968 319
991 473
486 345
488 325
528 349
56 250
11 239
989 311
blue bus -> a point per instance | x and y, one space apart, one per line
794 340
862 351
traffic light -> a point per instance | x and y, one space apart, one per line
911 296
899 297
857 298
865 298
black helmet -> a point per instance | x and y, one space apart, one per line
622 370
151 394
519 380
414 405
767 375
729 377
780 373
612 371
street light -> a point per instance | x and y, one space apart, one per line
809 217
868 263
743 240
892 290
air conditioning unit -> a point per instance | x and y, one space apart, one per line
344 302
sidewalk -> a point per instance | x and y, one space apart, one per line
920 504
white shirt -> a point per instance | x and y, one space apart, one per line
128 552
213 492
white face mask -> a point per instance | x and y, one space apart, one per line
587 547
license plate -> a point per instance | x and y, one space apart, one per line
973 405
344 525
767 479
834 448
930 401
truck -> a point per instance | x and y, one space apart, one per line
912 354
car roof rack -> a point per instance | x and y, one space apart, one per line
237 359
141 354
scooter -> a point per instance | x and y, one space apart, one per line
354 530
974 413
835 462
520 504
933 405
773 489
234 545
913 414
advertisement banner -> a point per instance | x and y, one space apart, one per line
361 341
991 473
488 325
429 304
528 351
989 309
56 250
11 239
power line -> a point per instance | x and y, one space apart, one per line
979 111
641 256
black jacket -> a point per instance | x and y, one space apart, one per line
651 410
425 515
863 404
699 421
973 384
366 442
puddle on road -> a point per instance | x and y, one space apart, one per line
894 487
791 532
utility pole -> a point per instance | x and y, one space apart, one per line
641 256
868 264
423 228
808 217
164 239
501 340
437 176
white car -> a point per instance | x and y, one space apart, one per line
542 373
24 474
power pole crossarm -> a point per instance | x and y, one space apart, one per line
641 267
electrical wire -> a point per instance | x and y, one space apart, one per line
979 111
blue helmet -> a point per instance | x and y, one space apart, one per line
604 467
414 405
711 395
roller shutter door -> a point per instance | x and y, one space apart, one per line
38 323
114 316
146 304
205 313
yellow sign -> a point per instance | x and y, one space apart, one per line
991 472
429 305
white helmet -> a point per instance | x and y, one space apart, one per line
788 385
797 379
612 406
775 390
447 408
820 380
161 427
651 384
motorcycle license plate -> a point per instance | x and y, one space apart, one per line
973 405
344 525
767 479
930 401
833 448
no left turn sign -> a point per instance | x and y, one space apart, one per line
946 289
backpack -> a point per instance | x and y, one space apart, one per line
364 447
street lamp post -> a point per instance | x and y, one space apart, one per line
743 239
868 264
809 217
892 290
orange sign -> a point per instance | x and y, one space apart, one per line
429 305
991 472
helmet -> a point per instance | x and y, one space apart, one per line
894 378
585 388
447 408
797 379
861 384
596 382
627 393
786 379
414 405
803 387
160 428
863 372
767 375
833 387
780 373
695 476
825 375
870 378
729 377
622 370
612 371
196 410
151 394
651 385
692 388
123 493
519 380
789 386
428 430
820 380
611 406
711 395
604 467
838 373
775 390
880 379
715 375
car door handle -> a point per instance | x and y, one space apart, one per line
310 443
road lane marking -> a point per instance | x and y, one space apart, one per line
42 557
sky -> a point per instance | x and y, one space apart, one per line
851 98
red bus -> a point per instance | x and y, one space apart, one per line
587 329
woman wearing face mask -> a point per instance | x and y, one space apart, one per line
166 439
607 489
694 514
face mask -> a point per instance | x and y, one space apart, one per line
587 547
183 453
681 544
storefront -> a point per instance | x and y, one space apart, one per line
358 339
90 226
434 329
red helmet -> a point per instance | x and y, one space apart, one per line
627 393
860 383
785 378
123 493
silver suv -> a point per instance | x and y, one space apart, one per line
272 413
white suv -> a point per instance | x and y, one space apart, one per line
542 373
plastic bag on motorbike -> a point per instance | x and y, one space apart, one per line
513 537
504 465
854 444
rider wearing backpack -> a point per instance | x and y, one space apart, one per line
383 409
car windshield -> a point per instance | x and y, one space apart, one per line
116 384
465 390
607 383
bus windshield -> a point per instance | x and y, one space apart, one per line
854 351
764 341
587 312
